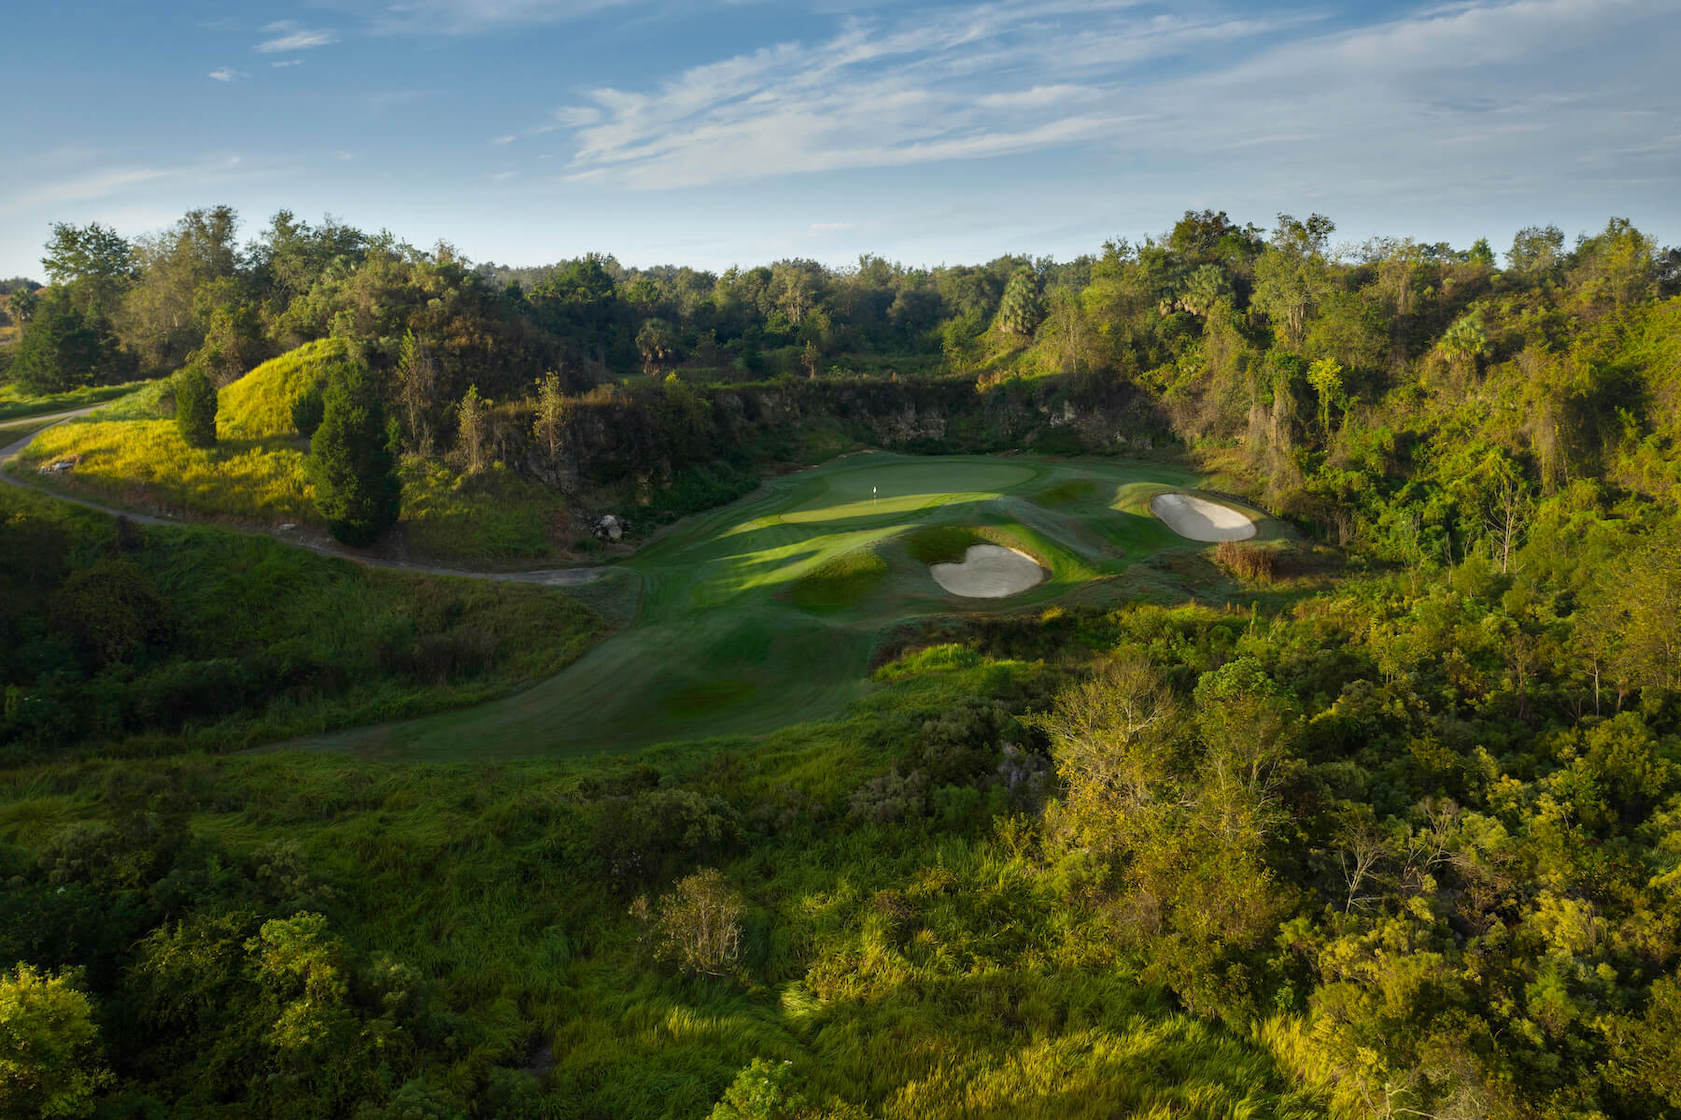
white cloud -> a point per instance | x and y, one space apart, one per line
463 17
504 139
503 176
286 62
227 74
290 36
952 84
1477 95
120 182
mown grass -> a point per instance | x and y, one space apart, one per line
839 583
766 612
1067 493
15 404
941 544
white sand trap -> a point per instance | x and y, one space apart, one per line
988 571
1199 519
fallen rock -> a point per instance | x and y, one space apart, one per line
610 528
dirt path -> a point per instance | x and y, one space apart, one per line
549 577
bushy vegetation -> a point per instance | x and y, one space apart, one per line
121 637
1398 843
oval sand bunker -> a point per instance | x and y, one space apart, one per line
1199 519
988 571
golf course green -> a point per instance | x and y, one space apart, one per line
765 612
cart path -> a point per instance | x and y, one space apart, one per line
548 577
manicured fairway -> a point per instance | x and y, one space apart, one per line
765 612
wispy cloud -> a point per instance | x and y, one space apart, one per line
114 182
952 84
291 36
463 17
227 74
1133 83
287 62
503 139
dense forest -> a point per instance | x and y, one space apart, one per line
1387 826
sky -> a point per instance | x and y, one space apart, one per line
719 132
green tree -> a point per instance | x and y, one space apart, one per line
195 406
350 461
50 1063
656 342
417 380
1325 376
472 431
698 927
1021 309
552 415
62 348
308 410
94 261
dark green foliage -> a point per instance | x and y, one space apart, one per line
62 348
108 637
195 406
308 411
351 464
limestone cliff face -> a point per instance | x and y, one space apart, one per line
649 434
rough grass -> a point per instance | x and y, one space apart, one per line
496 518
1248 562
259 404
147 465
921 968
839 583
305 642
16 404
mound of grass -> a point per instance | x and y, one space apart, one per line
708 697
839 583
941 544
489 519
1065 494
146 464
259 404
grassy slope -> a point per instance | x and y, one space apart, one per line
369 644
766 612
16 404
974 991
255 475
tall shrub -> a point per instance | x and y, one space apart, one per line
350 461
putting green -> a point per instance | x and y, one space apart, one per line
765 612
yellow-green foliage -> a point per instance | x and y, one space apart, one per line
494 516
147 464
260 403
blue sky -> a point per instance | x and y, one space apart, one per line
712 133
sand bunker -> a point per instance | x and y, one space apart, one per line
1199 519
988 571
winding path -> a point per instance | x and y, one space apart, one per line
549 577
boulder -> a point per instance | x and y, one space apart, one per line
610 528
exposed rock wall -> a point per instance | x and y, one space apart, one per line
651 433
